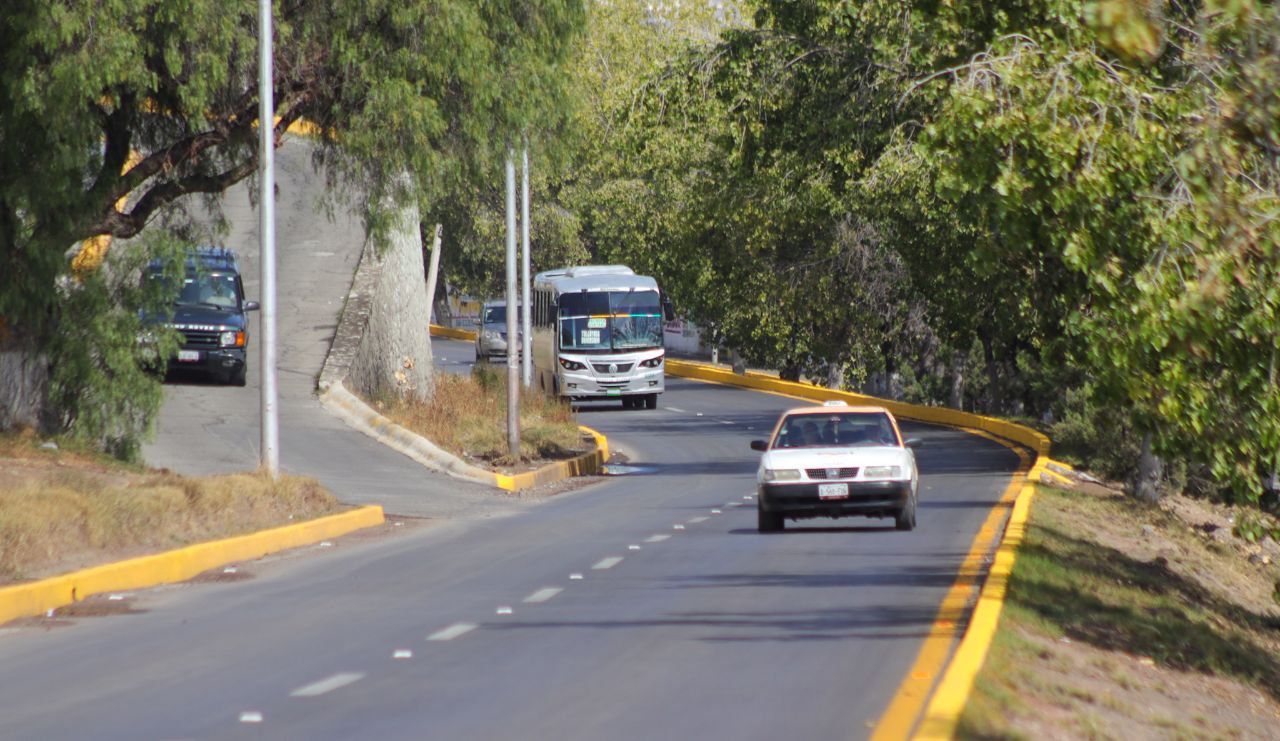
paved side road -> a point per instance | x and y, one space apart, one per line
205 428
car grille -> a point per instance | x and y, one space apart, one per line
604 367
820 474
200 338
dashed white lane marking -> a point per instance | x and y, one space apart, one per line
504 610
542 595
633 547
677 526
402 653
250 717
676 410
725 422
327 685
715 511
575 577
696 520
451 632
699 414
733 504
606 563
656 538
748 497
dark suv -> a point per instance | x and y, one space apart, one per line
209 312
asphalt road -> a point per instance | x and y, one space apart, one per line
642 607
206 428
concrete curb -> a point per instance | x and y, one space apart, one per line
942 713
37 598
352 410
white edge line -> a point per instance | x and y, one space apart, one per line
656 538
607 563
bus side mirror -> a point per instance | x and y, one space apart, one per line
668 309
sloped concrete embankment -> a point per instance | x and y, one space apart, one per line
383 346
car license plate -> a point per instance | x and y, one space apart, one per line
188 356
613 392
833 491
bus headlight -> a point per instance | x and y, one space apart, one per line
571 365
651 362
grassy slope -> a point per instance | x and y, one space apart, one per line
64 509
467 416
1120 622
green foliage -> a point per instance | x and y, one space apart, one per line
105 357
112 111
1254 527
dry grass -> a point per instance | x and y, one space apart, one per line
1121 622
467 416
65 510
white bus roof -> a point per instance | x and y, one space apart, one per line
595 278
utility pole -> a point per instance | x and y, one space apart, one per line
513 375
432 272
270 443
526 299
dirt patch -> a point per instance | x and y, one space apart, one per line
1125 620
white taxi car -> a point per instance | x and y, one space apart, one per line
836 460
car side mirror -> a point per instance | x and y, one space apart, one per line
914 442
251 306
668 309
761 445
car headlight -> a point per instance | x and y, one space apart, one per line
492 335
651 362
781 474
571 365
881 472
231 339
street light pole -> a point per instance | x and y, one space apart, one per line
513 375
526 301
270 443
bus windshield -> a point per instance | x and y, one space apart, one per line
604 321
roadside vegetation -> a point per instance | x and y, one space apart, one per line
63 509
467 416
1126 622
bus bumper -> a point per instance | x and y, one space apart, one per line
586 386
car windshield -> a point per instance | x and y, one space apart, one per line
495 315
839 429
209 289
603 321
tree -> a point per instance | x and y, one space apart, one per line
432 89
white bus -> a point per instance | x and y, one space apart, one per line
597 334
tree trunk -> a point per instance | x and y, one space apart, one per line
956 399
790 371
24 376
1146 485
739 365
432 272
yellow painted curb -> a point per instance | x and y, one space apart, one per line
454 334
589 463
942 714
37 598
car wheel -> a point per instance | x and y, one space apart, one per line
651 401
769 522
906 518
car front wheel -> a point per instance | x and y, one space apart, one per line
906 518
769 522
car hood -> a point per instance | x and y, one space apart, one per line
879 455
